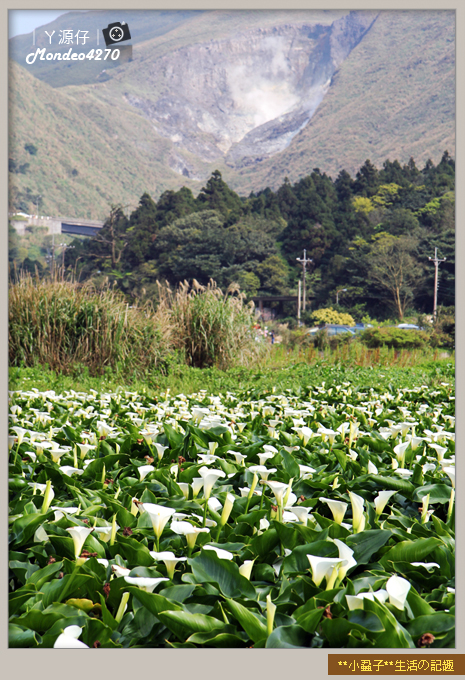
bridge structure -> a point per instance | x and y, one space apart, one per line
57 225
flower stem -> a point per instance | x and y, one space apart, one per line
451 506
205 513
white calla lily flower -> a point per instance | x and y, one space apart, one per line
120 571
209 478
450 472
144 470
189 531
323 567
246 569
69 639
426 565
159 516
160 450
346 554
147 584
372 469
356 601
338 509
278 489
358 518
397 588
169 559
79 536
381 500
222 554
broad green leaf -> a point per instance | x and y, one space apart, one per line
394 483
395 634
209 568
183 624
288 637
226 639
253 624
309 619
411 551
438 493
436 623
153 602
20 597
25 527
21 637
41 576
367 543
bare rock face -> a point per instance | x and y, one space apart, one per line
244 99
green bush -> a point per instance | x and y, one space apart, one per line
397 338
329 315
443 334
209 327
65 324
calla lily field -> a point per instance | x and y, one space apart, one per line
317 517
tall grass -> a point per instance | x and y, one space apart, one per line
351 354
68 325
210 327
64 324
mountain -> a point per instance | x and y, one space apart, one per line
260 95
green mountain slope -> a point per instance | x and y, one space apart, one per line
393 97
168 117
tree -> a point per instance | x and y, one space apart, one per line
141 232
394 270
216 195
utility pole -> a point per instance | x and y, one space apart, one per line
53 256
304 261
437 262
298 303
341 290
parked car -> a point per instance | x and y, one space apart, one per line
410 327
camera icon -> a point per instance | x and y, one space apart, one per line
116 33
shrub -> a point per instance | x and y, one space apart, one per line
397 338
63 323
209 327
329 315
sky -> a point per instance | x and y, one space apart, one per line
22 21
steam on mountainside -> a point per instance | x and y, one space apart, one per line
260 95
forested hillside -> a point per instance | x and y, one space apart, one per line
369 237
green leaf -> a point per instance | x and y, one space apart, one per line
367 543
341 457
153 602
209 568
20 597
290 464
411 551
288 637
395 634
227 639
183 624
394 483
21 637
437 623
25 527
439 493
41 576
254 625
59 589
366 620
178 593
42 621
309 619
